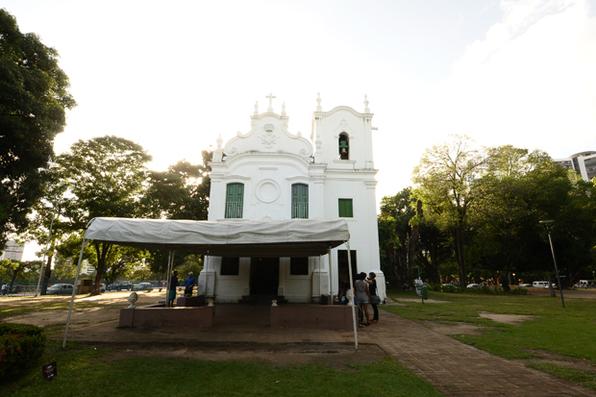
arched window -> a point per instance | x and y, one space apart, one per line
344 146
234 200
299 200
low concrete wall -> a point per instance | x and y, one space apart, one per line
165 317
312 316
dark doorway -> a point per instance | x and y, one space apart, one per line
342 268
264 276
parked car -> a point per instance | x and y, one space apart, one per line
474 286
60 289
541 284
585 284
525 285
120 286
142 286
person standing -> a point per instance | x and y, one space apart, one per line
172 289
189 284
374 297
362 298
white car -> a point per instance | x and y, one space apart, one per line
541 284
144 286
60 289
585 284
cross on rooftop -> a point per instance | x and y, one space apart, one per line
271 97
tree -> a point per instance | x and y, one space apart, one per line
33 100
11 270
105 177
395 236
46 225
181 192
446 179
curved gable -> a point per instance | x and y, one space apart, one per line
269 134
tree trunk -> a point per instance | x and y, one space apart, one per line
459 252
15 272
102 250
47 272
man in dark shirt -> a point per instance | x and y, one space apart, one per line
172 288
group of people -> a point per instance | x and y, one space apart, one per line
365 294
189 284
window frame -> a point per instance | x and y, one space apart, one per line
295 209
339 207
232 208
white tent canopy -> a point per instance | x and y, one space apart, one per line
304 237
238 237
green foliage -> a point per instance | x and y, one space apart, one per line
481 210
85 368
33 99
574 375
181 192
104 176
18 272
450 288
446 179
21 346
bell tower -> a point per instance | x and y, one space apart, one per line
343 137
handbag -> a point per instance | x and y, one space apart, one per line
375 300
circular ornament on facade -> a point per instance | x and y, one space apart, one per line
268 191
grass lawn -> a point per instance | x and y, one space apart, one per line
87 371
561 334
15 308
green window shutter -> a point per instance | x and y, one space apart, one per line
345 208
299 200
234 200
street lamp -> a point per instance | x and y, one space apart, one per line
548 225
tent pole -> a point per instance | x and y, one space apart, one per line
353 296
330 275
168 276
74 291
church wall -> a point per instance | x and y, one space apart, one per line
268 160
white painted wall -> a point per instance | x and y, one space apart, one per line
268 160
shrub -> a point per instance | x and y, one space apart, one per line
450 288
518 291
21 346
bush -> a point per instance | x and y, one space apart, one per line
450 288
21 346
518 291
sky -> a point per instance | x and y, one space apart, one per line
173 75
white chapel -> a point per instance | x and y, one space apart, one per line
271 173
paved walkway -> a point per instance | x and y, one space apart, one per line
456 369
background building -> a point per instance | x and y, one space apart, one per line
584 163
13 251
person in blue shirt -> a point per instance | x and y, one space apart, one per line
189 284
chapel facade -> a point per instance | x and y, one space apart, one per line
271 173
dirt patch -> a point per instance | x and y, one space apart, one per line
335 355
506 318
454 328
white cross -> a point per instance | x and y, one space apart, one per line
270 96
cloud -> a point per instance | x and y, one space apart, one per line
530 81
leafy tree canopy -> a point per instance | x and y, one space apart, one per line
33 100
